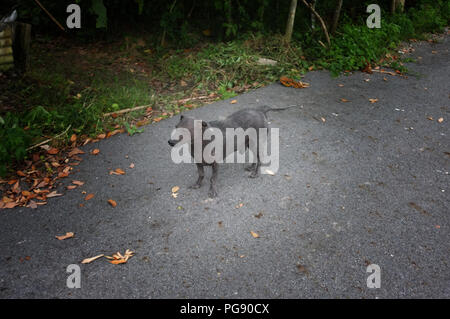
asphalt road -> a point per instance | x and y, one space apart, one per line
370 185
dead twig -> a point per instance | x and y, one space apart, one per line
128 110
322 23
49 14
50 139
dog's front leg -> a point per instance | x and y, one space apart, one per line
201 175
212 188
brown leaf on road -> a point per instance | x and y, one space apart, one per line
112 202
53 194
302 268
132 165
175 189
373 100
73 138
70 187
233 102
440 120
255 235
95 151
79 183
89 196
67 235
117 171
89 260
101 136
118 258
344 100
118 261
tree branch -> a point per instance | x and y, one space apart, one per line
322 23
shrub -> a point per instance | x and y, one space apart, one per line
14 142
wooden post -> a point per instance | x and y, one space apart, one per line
6 53
21 46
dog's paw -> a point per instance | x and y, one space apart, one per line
212 193
195 186
253 174
250 168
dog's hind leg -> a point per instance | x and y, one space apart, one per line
254 173
212 188
201 175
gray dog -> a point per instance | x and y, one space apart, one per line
246 118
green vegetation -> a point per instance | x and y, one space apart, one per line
69 90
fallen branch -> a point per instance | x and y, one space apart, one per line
322 23
193 98
50 139
127 110
49 14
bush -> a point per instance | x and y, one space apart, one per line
15 141
429 18
355 46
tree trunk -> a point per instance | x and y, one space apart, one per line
397 4
290 21
336 15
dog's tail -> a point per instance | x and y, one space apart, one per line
266 108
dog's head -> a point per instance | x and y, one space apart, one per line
188 123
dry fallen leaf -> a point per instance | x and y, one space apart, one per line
95 151
132 165
79 183
118 258
73 138
67 235
88 197
20 173
75 151
373 100
112 202
53 194
233 102
175 189
440 120
255 235
117 171
70 187
89 260
344 100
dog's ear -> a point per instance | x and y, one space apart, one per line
204 124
